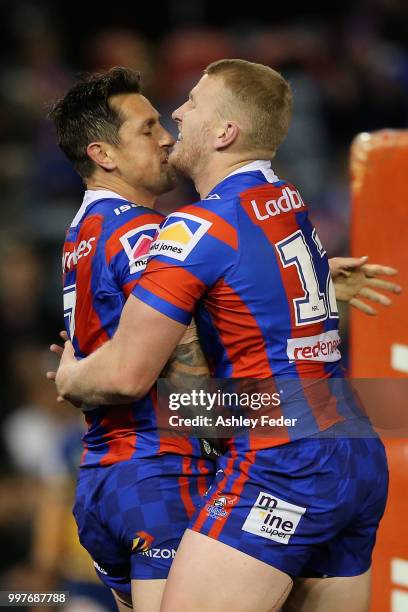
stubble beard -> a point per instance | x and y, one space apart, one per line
189 160
165 182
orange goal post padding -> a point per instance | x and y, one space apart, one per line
379 345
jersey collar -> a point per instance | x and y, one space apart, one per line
91 196
262 165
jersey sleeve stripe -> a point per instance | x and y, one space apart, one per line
163 306
220 228
182 288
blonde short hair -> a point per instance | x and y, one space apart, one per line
262 96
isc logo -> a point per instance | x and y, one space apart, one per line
124 208
273 518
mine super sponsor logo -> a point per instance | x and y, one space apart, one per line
273 518
178 235
289 201
324 347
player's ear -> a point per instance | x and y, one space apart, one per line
226 135
101 154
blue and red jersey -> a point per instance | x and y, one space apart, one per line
104 254
247 263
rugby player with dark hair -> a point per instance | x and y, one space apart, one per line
136 489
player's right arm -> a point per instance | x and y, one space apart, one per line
186 365
193 256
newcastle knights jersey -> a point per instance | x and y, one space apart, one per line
104 254
247 263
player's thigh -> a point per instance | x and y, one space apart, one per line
351 593
147 595
123 601
210 575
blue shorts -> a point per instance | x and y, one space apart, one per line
131 515
310 508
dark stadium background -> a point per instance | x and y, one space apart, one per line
348 66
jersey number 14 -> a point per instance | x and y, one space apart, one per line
315 305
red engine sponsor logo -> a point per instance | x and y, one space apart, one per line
324 347
70 258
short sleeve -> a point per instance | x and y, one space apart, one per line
192 251
127 247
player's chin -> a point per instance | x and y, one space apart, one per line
168 179
177 152
177 159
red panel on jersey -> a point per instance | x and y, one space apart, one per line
220 229
176 277
239 333
88 328
120 425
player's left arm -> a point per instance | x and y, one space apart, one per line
126 367
354 279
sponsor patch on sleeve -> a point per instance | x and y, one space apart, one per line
136 244
178 235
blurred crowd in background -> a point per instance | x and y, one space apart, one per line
349 73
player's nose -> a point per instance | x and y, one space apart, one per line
166 139
177 115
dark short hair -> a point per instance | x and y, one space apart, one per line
84 114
